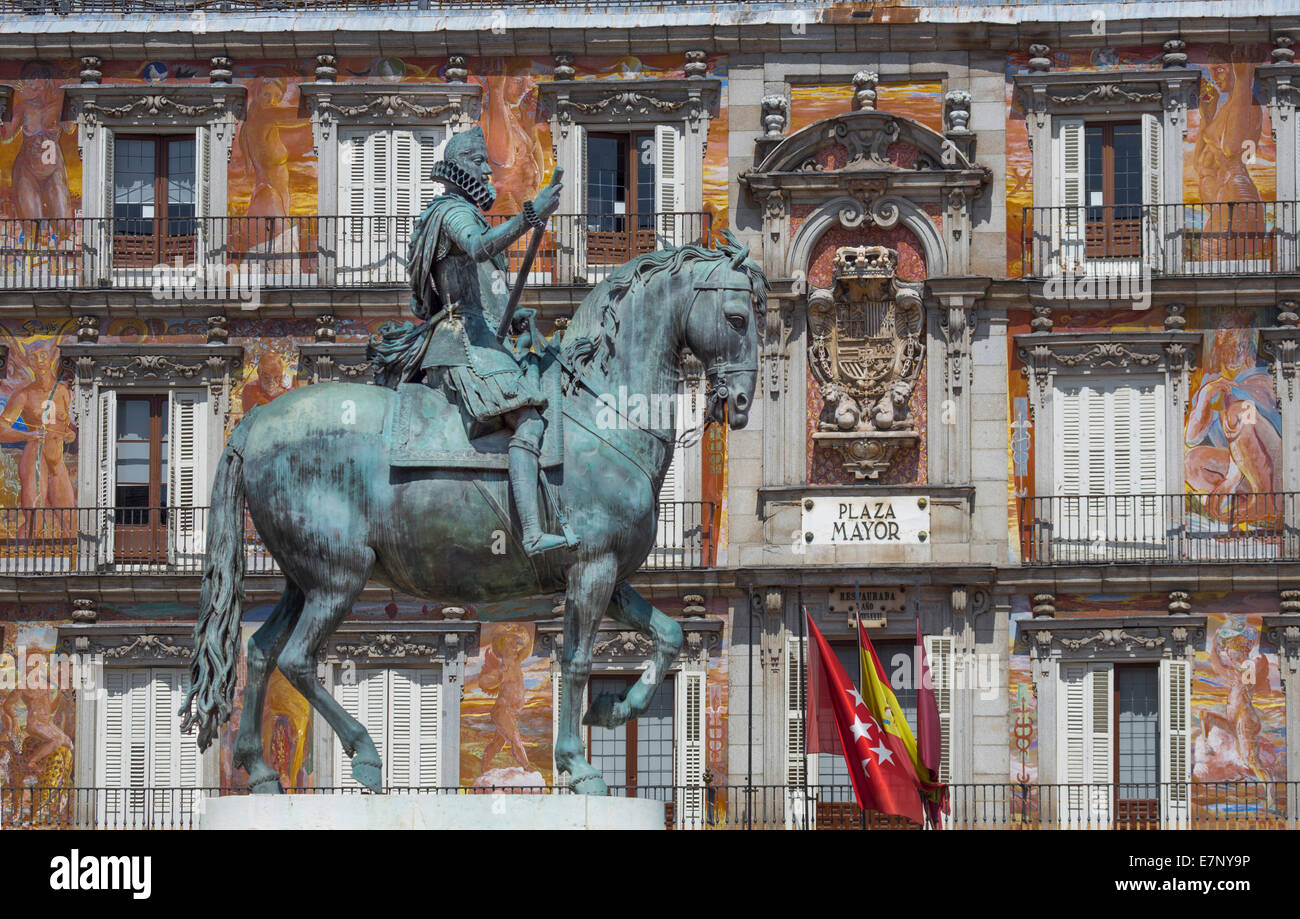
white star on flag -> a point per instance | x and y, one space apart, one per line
856 697
883 753
860 728
865 764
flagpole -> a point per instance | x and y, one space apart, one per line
807 675
862 675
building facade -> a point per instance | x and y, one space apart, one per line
1027 382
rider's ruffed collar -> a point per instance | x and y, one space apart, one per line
471 186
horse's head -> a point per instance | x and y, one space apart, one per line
730 295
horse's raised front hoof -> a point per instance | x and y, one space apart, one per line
608 711
267 784
369 773
590 785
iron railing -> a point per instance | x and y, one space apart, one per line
173 540
1173 240
1002 806
234 258
1199 527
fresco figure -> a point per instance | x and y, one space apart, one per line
503 673
269 382
514 148
1233 657
44 407
41 705
1231 125
268 142
1233 431
40 174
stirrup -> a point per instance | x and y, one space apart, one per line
545 542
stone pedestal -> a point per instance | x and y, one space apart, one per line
430 812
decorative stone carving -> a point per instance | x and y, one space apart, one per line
1044 605
1042 321
957 111
1180 603
1175 53
648 101
91 71
775 109
1282 344
325 328
1288 313
213 363
865 351
220 70
83 610
1175 321
1290 601
326 361
218 330
564 69
457 71
160 645
960 600
327 68
864 89
693 605
697 64
1106 92
1282 53
1038 58
87 330
382 104
1044 354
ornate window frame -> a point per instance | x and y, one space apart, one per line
334 107
101 111
326 360
443 645
686 103
1047 355
122 645
1048 96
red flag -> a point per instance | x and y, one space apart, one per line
928 739
838 720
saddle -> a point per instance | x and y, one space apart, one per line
428 430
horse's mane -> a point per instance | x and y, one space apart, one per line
589 340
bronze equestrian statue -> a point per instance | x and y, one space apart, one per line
323 472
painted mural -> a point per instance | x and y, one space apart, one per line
37 725
1228 155
921 100
507 710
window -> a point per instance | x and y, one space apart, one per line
638 754
1123 748
154 200
1108 461
152 478
384 184
143 762
401 709
620 196
1108 180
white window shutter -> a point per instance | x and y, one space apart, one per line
1070 220
428 727
689 742
429 145
1085 744
104 267
1071 448
571 233
1176 735
187 481
796 763
413 713
939 651
670 189
1153 222
1098 423
348 696
106 474
405 166
112 759
203 194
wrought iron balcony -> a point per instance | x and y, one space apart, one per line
1171 240
227 258
1190 527
173 540
1001 806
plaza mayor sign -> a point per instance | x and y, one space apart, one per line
897 520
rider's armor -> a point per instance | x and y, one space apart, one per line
458 279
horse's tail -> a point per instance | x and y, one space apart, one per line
216 634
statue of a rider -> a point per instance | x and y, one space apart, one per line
458 271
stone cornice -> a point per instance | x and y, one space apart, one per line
161 104
617 644
389 642
1113 638
389 104
130 643
1045 354
321 362
640 101
1091 92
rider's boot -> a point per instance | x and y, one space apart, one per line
524 469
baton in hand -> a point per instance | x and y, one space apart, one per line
534 243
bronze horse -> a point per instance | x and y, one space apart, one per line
314 468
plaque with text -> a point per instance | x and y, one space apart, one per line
866 520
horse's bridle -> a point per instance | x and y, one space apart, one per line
719 369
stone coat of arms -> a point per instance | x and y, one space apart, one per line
866 347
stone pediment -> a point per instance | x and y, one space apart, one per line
900 151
